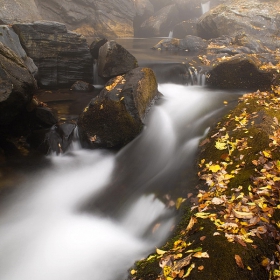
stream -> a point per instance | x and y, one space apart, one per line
89 215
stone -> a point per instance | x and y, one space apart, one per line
10 39
184 28
96 44
251 17
62 57
17 85
189 43
82 86
239 72
114 60
116 116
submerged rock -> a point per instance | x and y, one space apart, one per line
114 60
17 85
116 116
62 57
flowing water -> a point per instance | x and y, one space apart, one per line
88 215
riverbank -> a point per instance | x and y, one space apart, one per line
230 228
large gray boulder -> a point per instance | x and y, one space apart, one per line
17 85
252 17
62 57
113 60
10 39
117 114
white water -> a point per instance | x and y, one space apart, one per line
44 234
205 7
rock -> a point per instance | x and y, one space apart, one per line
160 24
13 11
190 43
250 42
144 9
110 18
45 117
239 72
62 57
17 85
114 60
96 44
251 17
185 28
60 137
117 114
10 39
82 86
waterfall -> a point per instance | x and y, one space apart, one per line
97 81
170 35
205 7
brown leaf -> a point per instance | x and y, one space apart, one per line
192 221
239 261
202 238
200 268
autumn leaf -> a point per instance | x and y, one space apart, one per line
160 252
239 261
179 201
189 270
215 168
220 145
200 255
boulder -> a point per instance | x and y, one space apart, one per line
17 85
184 28
144 9
189 43
10 39
117 114
160 24
239 72
114 60
96 44
82 86
62 57
239 16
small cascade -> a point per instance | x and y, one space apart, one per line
196 77
170 35
97 81
205 7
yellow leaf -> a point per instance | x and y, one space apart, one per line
166 270
179 201
267 154
160 252
249 268
189 270
132 272
220 145
214 168
101 107
202 215
151 257
200 255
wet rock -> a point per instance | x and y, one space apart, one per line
10 39
114 60
160 24
117 114
251 17
60 137
45 117
96 44
190 43
82 86
17 85
62 57
249 42
239 72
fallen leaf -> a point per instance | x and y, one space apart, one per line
215 168
239 261
200 255
189 270
160 252
192 221
202 238
132 272
200 268
221 145
242 215
179 201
